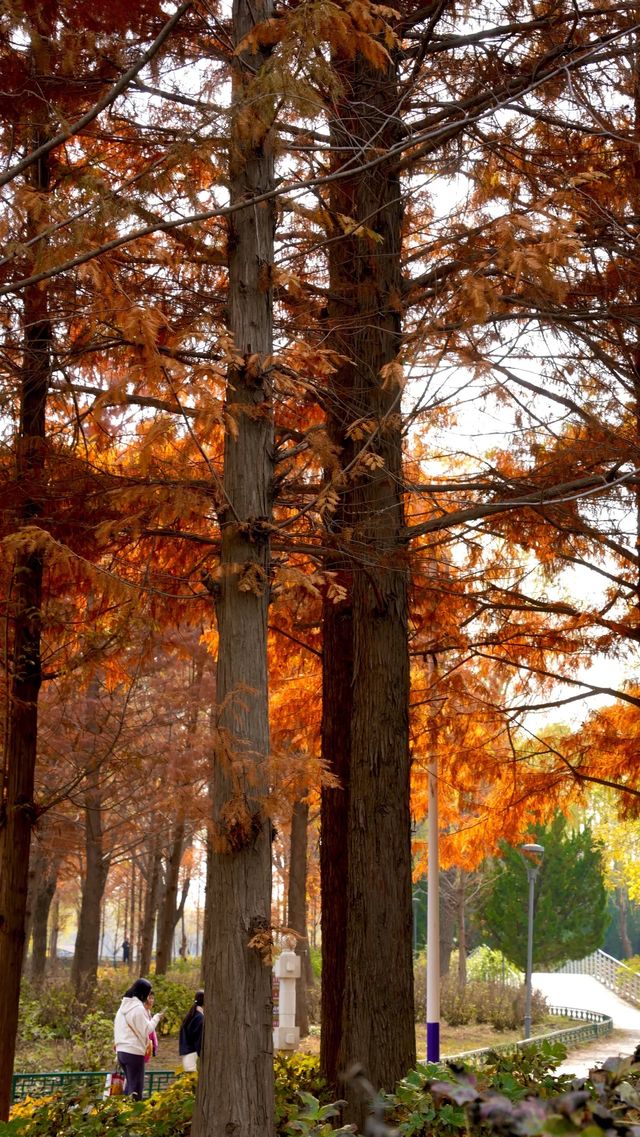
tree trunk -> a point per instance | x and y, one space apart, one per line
84 969
297 906
462 929
42 905
622 904
33 884
448 916
132 918
337 704
365 284
17 810
54 932
235 1090
150 904
168 913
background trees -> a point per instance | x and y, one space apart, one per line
570 900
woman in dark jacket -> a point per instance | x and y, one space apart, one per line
190 1042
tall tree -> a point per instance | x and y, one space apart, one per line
18 769
238 931
364 402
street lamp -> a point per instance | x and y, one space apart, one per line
533 855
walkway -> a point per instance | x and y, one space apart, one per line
584 991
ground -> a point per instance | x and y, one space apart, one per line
586 992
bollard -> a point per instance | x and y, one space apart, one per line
286 1035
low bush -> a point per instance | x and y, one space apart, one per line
295 1074
519 1095
167 1114
47 1012
481 1002
298 1085
512 1095
92 1044
51 1012
491 966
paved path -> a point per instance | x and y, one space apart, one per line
587 993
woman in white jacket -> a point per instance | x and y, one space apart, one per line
131 1031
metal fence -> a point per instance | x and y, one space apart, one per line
595 1025
41 1085
610 972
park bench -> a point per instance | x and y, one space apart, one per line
41 1085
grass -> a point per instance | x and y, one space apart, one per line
458 1039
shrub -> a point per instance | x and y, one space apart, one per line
457 1005
492 966
92 1044
174 995
431 1101
298 1085
315 956
47 1012
167 1114
296 1074
483 1002
512 1095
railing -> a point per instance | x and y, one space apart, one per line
41 1085
610 972
596 1025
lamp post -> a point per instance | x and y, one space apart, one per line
533 855
433 918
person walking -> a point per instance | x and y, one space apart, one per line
190 1039
131 1029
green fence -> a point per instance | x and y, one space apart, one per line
594 1025
41 1085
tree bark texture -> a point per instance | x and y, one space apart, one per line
235 1089
462 928
337 702
84 969
48 880
17 810
150 903
33 884
168 909
376 1026
448 916
54 932
622 903
297 906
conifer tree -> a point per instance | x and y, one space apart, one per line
570 899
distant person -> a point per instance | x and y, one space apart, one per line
126 951
190 1041
131 1032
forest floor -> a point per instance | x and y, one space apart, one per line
456 1039
54 1055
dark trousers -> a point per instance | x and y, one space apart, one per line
133 1066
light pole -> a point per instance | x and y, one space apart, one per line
433 918
533 855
